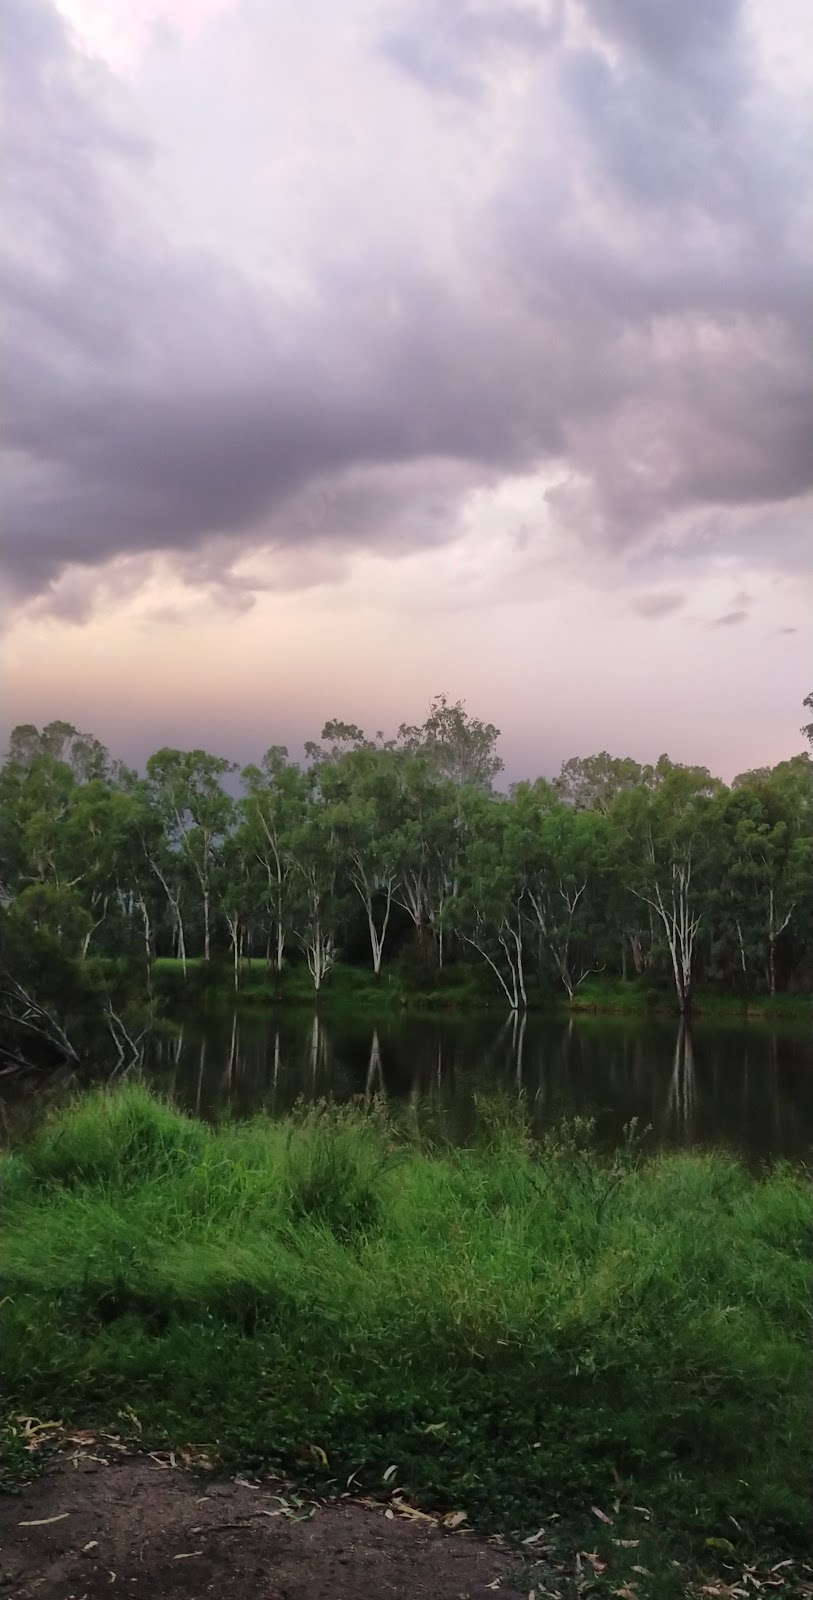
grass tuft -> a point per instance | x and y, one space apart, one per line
522 1329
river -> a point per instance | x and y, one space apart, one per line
748 1086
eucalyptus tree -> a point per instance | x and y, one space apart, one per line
363 795
488 912
807 727
143 868
198 813
166 864
562 891
61 742
593 783
274 810
236 893
461 748
316 891
37 793
765 868
102 833
427 846
664 841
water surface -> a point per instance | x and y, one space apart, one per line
746 1085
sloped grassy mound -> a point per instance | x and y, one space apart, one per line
521 1330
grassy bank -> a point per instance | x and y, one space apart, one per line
462 987
519 1332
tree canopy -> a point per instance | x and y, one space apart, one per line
659 872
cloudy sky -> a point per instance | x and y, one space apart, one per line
359 351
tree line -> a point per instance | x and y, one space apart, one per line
613 867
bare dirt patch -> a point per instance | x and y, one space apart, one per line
136 1526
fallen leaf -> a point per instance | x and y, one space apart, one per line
92 1544
454 1519
186 1555
595 1560
390 1474
405 1510
626 1593
602 1515
628 1544
721 1544
40 1522
390 1515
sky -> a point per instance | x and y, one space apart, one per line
356 353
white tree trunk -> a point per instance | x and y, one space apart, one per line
233 922
509 937
680 925
175 908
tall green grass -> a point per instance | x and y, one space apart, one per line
523 1330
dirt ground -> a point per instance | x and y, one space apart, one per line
138 1526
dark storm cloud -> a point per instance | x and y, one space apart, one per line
627 307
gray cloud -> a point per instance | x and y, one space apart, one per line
448 47
729 619
657 604
620 304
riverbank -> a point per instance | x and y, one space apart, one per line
460 988
512 1334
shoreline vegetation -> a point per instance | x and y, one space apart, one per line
520 1331
462 990
392 871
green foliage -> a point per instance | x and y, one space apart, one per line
334 1171
521 1329
658 873
118 1139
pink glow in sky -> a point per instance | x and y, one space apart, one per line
356 353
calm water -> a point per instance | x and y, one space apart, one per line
749 1086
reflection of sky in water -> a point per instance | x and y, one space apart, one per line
750 1086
